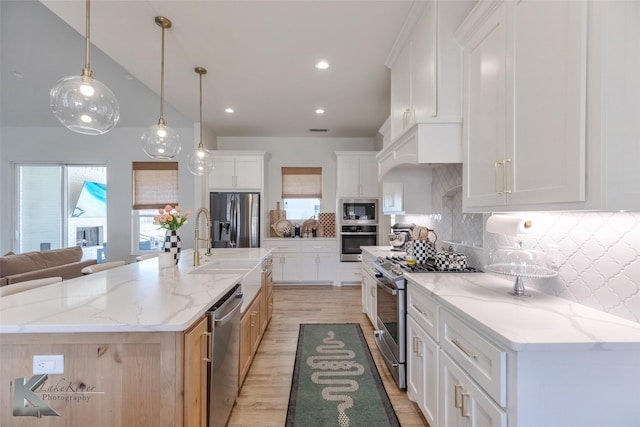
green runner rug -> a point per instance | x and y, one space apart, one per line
335 380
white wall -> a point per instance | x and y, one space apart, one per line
117 149
298 152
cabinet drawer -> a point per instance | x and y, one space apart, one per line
284 246
481 359
423 308
310 246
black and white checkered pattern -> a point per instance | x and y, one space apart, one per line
173 244
423 250
450 261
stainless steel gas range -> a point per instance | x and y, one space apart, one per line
391 306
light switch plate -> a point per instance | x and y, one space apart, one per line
48 364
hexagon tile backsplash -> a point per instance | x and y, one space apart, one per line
596 254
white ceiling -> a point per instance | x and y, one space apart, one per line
260 58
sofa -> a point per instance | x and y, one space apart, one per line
66 263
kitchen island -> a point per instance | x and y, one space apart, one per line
125 337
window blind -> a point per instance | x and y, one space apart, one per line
301 182
155 184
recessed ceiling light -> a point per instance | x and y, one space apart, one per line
322 65
228 110
319 111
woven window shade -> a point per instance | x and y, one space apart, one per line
155 184
301 183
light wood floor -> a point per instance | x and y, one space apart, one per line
265 394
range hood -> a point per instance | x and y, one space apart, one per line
438 141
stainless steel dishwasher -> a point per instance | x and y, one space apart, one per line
224 324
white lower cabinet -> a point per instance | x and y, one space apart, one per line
369 294
456 376
422 370
462 403
285 267
303 260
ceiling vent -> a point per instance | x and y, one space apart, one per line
317 130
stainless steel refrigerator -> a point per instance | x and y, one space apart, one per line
235 220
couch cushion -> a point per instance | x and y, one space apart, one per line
31 261
62 256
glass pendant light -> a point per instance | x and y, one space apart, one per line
160 142
82 103
200 162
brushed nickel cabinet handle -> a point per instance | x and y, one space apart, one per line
457 396
463 409
460 346
505 176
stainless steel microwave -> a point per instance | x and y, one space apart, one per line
358 211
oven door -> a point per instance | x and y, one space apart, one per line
350 244
391 334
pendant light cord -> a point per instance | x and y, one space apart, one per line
86 71
162 80
200 146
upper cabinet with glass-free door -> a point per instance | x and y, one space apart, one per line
540 83
357 174
524 87
237 171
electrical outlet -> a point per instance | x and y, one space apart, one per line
49 364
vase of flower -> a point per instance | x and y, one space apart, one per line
172 244
171 219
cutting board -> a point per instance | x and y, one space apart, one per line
275 215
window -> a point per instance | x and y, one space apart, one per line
59 206
155 185
301 191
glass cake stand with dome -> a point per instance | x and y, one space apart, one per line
520 263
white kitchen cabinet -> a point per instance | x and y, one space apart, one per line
462 403
286 259
422 370
317 263
525 101
357 174
407 191
369 293
298 260
392 198
425 68
237 171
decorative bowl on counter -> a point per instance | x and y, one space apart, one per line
282 227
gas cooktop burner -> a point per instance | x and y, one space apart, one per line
397 264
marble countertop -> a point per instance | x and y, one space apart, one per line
536 323
137 297
539 322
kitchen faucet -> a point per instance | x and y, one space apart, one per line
196 253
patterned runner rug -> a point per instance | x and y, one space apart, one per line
335 380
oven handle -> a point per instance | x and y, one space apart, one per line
386 353
357 233
388 288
